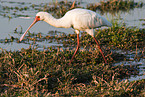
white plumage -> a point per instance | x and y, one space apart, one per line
79 19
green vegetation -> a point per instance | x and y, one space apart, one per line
114 5
33 72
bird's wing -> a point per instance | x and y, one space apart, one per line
82 20
86 19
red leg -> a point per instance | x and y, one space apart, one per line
100 50
78 45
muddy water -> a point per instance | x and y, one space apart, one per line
8 25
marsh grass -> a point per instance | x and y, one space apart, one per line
31 72
115 5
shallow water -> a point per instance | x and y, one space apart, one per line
131 18
140 63
7 26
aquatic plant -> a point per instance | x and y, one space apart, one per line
114 5
30 72
124 38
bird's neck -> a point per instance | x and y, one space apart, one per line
59 23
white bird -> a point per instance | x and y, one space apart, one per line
79 19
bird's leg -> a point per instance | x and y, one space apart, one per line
100 50
78 45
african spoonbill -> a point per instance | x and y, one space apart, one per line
79 19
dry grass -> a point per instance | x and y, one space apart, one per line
31 72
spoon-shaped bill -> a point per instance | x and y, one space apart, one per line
36 20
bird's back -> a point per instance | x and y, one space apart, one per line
82 19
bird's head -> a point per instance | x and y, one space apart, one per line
39 17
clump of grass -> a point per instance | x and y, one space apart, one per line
31 72
124 38
114 5
101 87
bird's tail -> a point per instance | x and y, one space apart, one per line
106 22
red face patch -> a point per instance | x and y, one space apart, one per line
37 18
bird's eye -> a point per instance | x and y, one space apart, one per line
37 18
